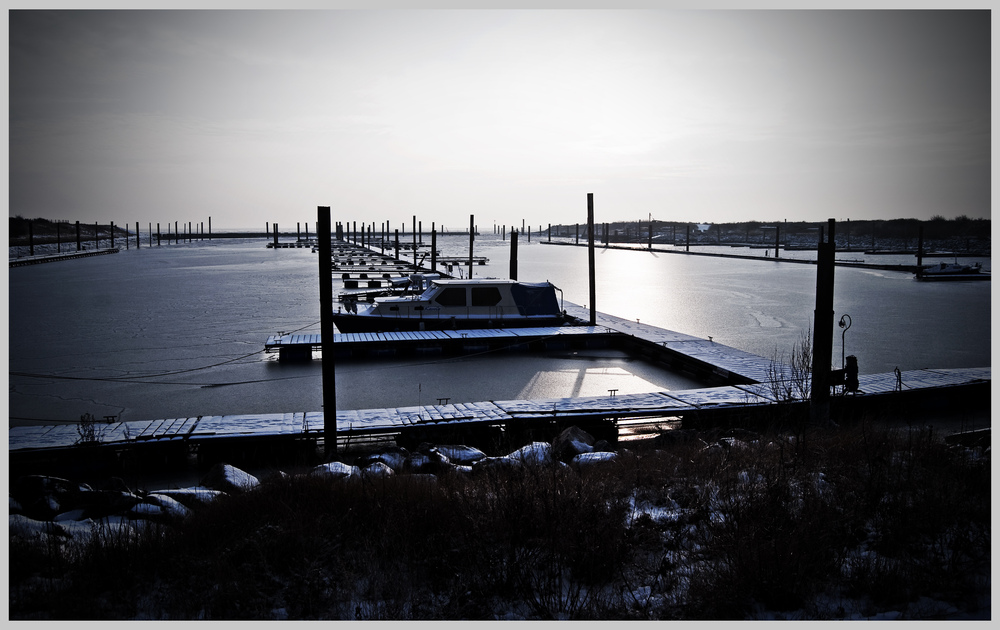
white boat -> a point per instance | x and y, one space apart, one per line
455 305
952 271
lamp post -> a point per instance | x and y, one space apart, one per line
845 323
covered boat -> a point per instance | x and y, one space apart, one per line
455 305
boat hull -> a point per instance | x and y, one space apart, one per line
350 323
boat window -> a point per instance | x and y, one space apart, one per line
453 296
485 296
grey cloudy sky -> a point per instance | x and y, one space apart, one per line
257 116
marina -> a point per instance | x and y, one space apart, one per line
747 385
738 385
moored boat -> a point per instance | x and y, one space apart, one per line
952 271
457 304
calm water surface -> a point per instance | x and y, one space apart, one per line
178 330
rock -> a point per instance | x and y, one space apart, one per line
427 460
78 514
394 458
589 459
30 528
337 470
149 511
229 479
572 442
44 497
376 470
603 446
534 454
461 455
494 463
192 498
174 509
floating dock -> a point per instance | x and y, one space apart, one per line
47 258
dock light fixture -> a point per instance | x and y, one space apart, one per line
845 323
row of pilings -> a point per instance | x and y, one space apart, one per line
181 233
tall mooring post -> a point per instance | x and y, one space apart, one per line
472 237
31 239
157 234
326 330
777 240
823 316
687 246
276 235
97 242
550 232
415 244
920 251
397 244
590 258
210 229
112 235
434 247
513 255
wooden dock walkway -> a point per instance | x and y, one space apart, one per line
357 423
47 258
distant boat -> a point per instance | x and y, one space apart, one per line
952 271
457 305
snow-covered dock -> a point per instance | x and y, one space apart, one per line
357 423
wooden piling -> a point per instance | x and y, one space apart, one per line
210 229
31 239
97 242
434 256
414 243
276 235
823 316
513 255
920 251
326 330
472 237
78 245
687 246
397 243
590 258
112 235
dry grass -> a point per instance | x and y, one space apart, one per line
708 528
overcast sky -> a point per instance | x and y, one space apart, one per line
251 117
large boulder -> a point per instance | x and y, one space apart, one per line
461 455
192 498
571 442
227 478
43 497
376 470
427 459
394 458
337 470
